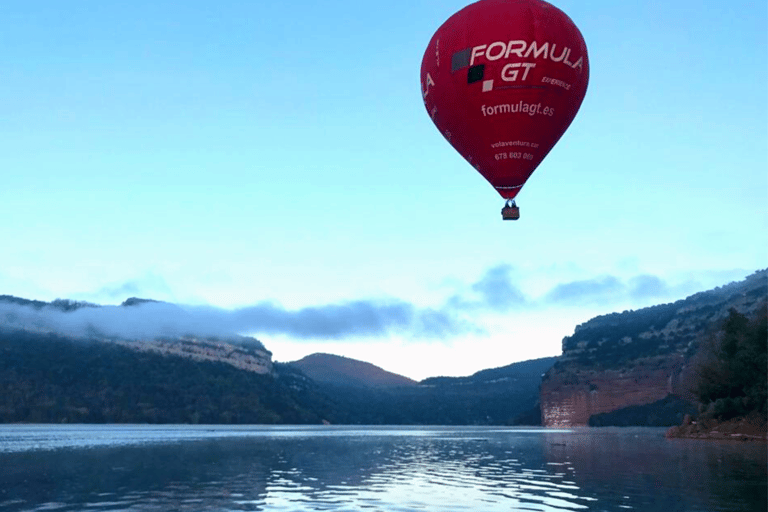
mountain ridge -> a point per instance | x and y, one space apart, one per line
85 375
613 362
242 352
635 358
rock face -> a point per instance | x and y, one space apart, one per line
749 428
241 352
638 357
571 395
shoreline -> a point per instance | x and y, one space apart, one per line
749 428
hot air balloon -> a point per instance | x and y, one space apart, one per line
502 80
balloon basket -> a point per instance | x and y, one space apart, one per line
510 213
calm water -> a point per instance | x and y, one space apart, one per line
185 468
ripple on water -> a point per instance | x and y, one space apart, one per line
387 470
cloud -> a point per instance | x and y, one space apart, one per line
647 286
461 313
344 320
148 285
350 319
596 290
494 292
608 290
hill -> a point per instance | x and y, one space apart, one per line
343 371
64 361
622 368
499 396
512 373
84 321
636 358
46 378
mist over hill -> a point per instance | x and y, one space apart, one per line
142 318
141 361
65 361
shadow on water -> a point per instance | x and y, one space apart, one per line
656 473
104 477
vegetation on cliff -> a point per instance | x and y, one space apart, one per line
46 378
731 377
732 368
636 367
49 378
617 339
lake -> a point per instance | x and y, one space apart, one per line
441 469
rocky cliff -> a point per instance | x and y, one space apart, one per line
240 352
37 317
638 357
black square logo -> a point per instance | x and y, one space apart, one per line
475 73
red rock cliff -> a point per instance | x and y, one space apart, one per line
638 357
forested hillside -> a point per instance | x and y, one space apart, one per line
615 366
643 366
499 396
731 369
48 378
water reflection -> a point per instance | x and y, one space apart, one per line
656 473
385 469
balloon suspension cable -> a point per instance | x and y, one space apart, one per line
510 203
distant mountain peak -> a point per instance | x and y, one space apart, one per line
333 369
135 301
65 305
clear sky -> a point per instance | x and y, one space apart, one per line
273 162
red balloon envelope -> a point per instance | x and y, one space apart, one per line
502 81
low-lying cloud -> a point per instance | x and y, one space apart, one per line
495 292
608 290
596 290
359 318
353 319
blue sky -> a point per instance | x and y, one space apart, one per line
275 161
